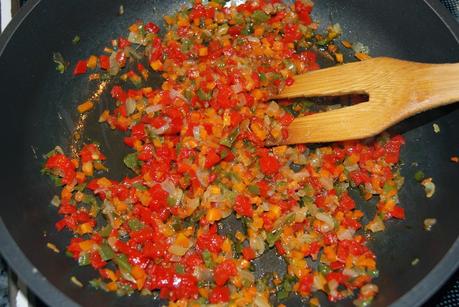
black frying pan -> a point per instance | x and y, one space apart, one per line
38 112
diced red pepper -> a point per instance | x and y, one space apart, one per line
104 62
243 206
224 271
151 27
269 165
219 295
248 253
212 158
80 67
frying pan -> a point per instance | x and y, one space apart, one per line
38 112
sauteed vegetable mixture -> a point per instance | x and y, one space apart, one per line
198 156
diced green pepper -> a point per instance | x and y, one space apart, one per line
135 224
323 268
254 189
272 237
207 257
106 252
122 262
203 95
229 140
132 162
179 269
83 259
105 231
260 16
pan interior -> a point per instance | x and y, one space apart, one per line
39 104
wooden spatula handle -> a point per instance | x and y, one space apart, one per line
433 85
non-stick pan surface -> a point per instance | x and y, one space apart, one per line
38 112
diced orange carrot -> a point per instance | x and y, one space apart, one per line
85 106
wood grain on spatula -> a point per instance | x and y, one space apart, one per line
397 89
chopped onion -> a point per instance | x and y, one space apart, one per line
131 51
55 201
134 38
327 219
160 130
247 275
242 99
130 106
203 177
197 132
258 244
191 203
369 290
178 250
358 47
327 182
253 39
346 234
428 223
376 224
168 186
319 282
273 108
429 187
352 167
173 93
154 108
114 66
237 88
260 301
350 272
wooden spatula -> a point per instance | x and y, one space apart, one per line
397 89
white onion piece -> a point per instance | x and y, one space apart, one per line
260 301
114 66
130 106
327 219
161 130
242 99
258 244
346 234
203 177
197 132
168 186
173 93
154 108
350 272
134 38
247 275
236 88
369 289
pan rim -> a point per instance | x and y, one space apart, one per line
47 292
